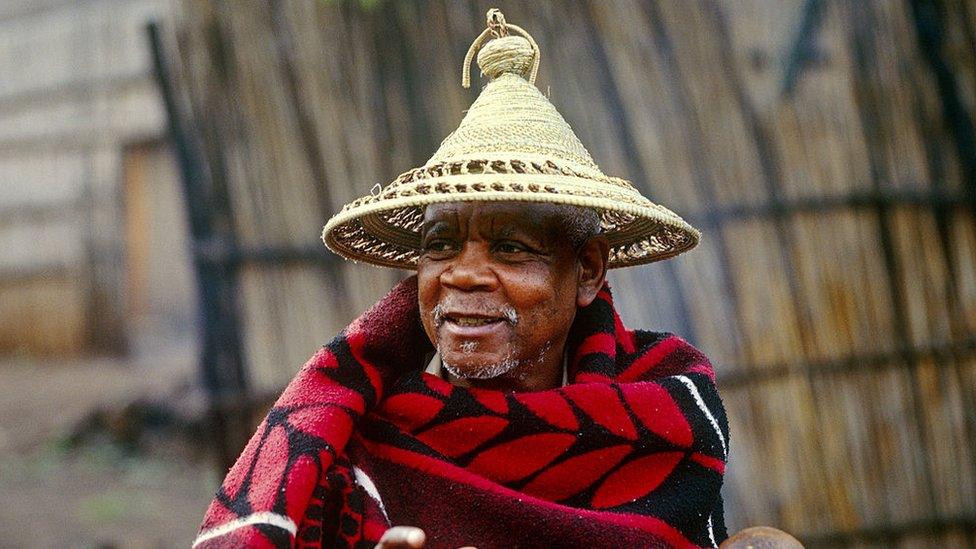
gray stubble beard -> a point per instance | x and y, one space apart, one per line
491 371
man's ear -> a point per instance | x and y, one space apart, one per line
593 258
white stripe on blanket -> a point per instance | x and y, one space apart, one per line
367 483
264 517
708 414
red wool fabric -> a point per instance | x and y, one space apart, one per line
631 453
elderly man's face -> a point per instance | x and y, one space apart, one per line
499 284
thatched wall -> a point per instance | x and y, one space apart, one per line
826 149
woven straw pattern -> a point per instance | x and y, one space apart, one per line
512 145
509 54
513 116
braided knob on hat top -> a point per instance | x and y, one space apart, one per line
507 54
504 54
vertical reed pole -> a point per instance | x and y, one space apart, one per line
221 363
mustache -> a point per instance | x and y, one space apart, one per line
505 311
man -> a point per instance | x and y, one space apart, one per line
494 399
499 286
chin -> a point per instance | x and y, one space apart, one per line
466 367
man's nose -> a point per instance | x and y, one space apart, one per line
470 270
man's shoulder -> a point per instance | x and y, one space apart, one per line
649 338
663 354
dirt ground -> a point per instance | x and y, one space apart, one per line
95 493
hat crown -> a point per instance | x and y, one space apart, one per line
512 117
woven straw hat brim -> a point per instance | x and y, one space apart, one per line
384 229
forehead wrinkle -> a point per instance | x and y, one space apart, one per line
500 223
514 228
508 223
441 218
439 225
538 221
501 228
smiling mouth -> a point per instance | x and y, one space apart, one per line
460 318
471 321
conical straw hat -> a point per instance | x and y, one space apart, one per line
512 145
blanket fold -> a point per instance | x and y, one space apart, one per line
631 453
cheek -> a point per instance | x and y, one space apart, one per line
544 301
428 293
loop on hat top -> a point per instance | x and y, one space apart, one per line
496 22
503 54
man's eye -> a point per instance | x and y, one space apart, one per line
509 247
439 245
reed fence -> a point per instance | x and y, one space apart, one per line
826 149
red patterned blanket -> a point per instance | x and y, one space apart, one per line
630 454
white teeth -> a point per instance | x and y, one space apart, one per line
467 321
